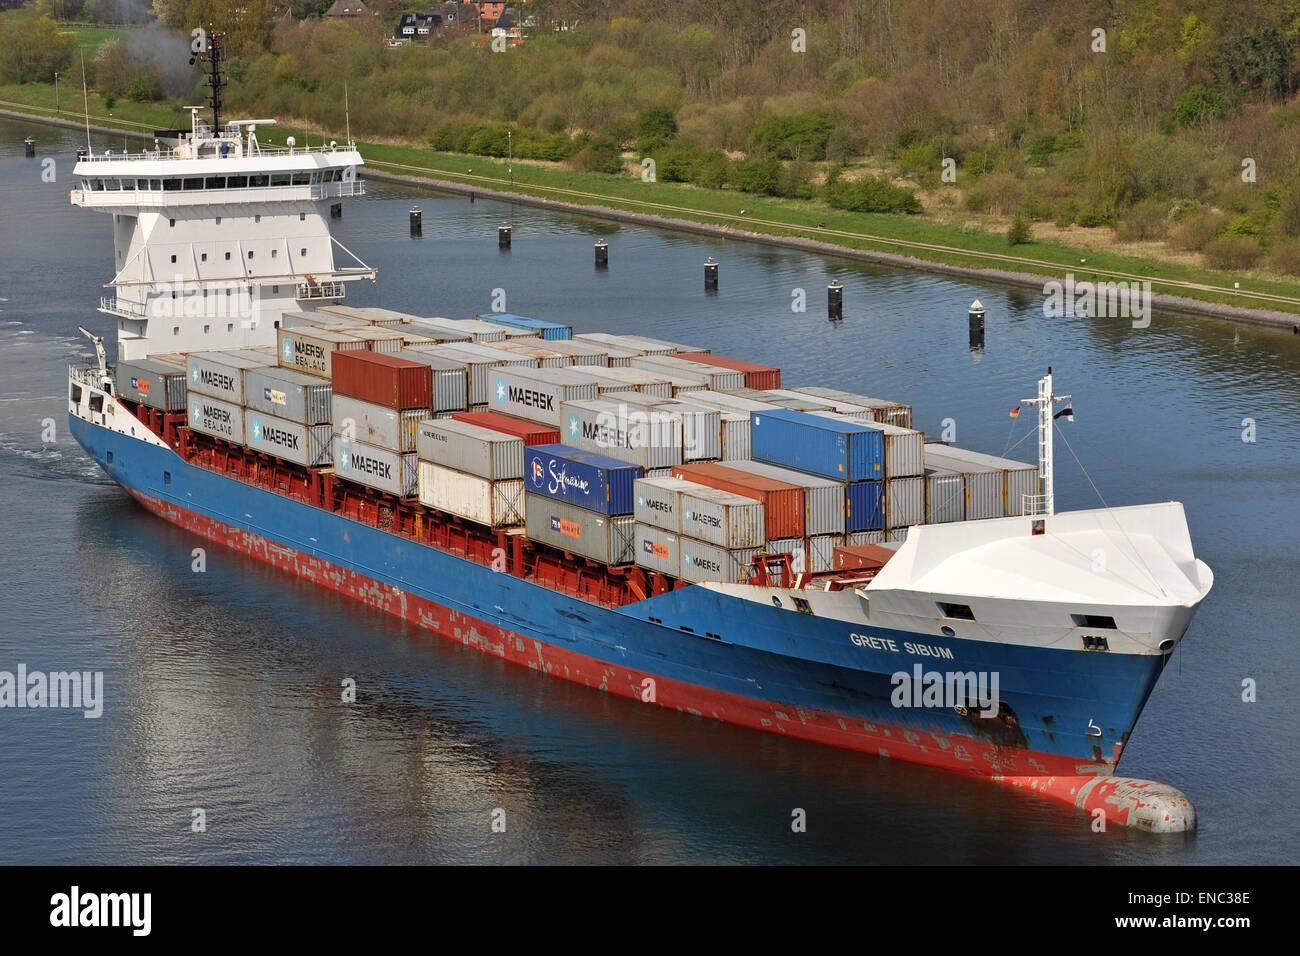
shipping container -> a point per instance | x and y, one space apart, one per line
320 319
311 350
897 535
496 504
983 486
685 372
832 448
728 401
821 551
904 447
945 496
604 538
722 518
756 376
703 562
417 332
797 548
904 502
585 354
864 506
536 394
735 436
890 413
377 339
783 508
647 383
152 383
221 374
700 428
619 429
858 538
480 363
625 342
592 481
861 557
657 501
546 357
475 450
657 550
212 416
307 445
288 394
823 498
549 331
673 347
376 468
388 380
476 329
1020 480
367 315
531 432
378 425
450 381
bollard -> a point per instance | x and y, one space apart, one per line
711 274
417 222
835 301
602 254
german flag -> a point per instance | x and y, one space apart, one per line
1015 412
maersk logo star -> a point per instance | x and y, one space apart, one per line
574 426
288 351
194 373
501 390
257 429
343 458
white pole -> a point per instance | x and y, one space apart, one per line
1045 443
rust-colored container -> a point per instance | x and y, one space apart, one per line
756 376
860 557
531 432
782 502
382 379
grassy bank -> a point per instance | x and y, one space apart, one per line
949 238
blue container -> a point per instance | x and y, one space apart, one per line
583 478
551 331
843 450
865 503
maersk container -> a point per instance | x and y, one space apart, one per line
376 468
625 431
823 498
220 374
983 486
711 375
285 393
891 413
450 381
904 502
864 506
531 432
657 550
735 436
212 416
859 538
647 383
151 383
945 496
657 501
830 447
472 449
592 481
783 508
379 379
311 350
700 428
702 562
378 425
496 504
605 538
821 551
480 363
756 376
307 445
536 394
549 331
723 518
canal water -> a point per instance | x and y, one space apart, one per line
222 688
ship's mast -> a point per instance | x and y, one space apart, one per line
213 52
1045 403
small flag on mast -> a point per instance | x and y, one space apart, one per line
1015 411
1067 413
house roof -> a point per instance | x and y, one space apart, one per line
347 8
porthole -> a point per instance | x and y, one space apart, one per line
776 600
947 631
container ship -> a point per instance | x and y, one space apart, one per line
643 517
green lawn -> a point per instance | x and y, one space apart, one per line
90 38
781 216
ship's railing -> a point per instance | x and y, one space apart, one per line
87 373
168 154
320 290
120 307
338 190
1033 504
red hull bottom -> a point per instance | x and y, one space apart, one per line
1142 804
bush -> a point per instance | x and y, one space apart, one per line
1198 105
1067 213
759 175
870 194
601 155
1094 215
1195 231
1286 258
794 137
998 193
655 129
1145 222
1018 232
1232 253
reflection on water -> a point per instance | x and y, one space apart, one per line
224 688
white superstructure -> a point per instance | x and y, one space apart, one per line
216 235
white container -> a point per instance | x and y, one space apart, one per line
221 374
945 496
378 425
722 518
311 350
308 445
823 498
376 468
821 551
658 550
470 448
904 502
212 416
657 502
703 562
579 531
535 394
496 504
627 432
736 444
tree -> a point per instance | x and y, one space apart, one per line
1018 232
32 49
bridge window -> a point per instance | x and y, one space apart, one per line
259 180
214 182
192 182
281 179
961 612
155 184
250 253
171 185
1094 620
112 184
257 218
236 182
301 179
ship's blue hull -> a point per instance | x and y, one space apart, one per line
766 667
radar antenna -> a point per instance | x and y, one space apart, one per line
213 52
